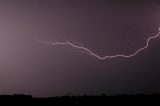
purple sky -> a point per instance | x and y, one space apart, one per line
107 27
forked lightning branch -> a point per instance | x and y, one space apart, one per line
68 43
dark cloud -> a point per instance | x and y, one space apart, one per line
107 27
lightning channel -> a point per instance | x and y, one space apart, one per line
68 43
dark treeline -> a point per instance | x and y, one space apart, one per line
103 99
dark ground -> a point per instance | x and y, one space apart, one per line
152 99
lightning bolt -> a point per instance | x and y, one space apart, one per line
68 43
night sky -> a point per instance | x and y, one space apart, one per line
107 27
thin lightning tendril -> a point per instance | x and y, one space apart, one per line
105 57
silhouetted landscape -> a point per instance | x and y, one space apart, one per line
85 99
